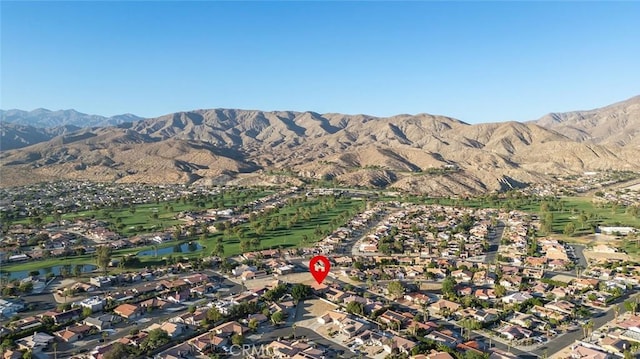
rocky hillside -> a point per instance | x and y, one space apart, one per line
44 118
615 124
14 136
423 153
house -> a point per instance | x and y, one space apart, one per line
180 351
543 312
439 355
332 316
513 332
444 338
67 335
128 311
400 344
444 306
462 275
172 329
501 354
580 351
285 269
319 288
560 292
393 319
561 306
615 345
227 329
335 295
485 316
96 304
64 317
153 303
417 298
102 322
73 333
26 323
369 337
11 354
197 278
518 297
207 341
179 297
485 293
134 339
10 308
100 281
35 342
350 327
585 283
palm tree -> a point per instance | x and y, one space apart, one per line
590 326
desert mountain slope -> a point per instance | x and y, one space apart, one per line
422 153
44 118
614 124
14 136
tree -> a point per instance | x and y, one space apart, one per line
213 314
118 351
237 339
569 229
631 305
253 324
155 339
219 249
449 286
86 311
395 289
103 257
354 307
26 287
277 317
300 291
500 291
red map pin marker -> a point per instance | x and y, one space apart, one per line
319 267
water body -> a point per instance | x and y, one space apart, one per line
184 248
55 270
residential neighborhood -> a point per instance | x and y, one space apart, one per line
407 280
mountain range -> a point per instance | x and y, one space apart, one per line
421 153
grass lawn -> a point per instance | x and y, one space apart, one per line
141 219
85 259
282 237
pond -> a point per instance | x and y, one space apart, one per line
55 270
182 248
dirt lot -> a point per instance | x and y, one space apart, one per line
317 307
305 278
603 257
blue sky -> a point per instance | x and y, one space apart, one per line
476 61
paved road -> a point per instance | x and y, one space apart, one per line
494 243
578 249
603 318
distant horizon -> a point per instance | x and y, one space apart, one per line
322 113
477 62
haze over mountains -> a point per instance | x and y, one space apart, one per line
23 128
424 153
